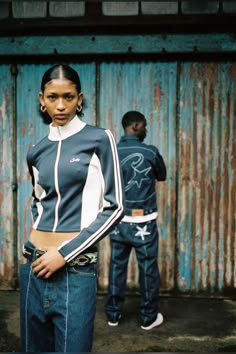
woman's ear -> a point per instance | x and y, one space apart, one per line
41 98
80 97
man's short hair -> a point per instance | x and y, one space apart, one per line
132 117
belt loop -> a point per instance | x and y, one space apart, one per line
29 251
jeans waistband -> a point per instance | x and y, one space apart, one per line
81 260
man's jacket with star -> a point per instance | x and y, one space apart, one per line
142 165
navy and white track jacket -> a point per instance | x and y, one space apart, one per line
77 185
142 165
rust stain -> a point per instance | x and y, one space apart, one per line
23 131
233 71
157 96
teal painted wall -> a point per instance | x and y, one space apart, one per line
191 112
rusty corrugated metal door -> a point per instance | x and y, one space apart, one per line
7 89
151 89
191 113
30 129
207 178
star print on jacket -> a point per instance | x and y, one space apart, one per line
139 176
142 166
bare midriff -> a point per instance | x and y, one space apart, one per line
43 239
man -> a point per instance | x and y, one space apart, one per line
142 165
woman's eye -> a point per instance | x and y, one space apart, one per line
69 98
51 98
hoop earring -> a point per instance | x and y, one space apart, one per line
79 108
43 109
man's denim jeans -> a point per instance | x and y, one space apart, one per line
57 315
143 237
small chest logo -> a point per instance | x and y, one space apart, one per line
74 159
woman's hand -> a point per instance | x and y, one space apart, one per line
48 263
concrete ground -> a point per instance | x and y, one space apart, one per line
191 325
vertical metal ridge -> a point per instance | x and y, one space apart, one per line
14 72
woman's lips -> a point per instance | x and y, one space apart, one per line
60 116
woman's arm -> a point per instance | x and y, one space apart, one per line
113 209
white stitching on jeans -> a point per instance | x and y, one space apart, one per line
26 312
67 303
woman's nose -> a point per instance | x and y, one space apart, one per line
60 104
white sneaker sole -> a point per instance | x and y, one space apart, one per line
113 324
156 323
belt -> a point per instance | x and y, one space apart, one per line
80 260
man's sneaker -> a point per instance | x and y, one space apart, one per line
114 324
159 320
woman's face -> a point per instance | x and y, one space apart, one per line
61 99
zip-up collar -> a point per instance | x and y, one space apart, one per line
65 131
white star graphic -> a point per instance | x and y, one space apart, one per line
142 231
115 232
135 162
139 177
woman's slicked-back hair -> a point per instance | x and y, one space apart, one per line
60 71
132 117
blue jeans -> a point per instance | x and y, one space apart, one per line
57 314
143 237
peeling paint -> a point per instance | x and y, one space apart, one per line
206 142
191 114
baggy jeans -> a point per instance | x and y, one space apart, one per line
143 237
57 314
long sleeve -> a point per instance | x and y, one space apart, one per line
160 167
113 201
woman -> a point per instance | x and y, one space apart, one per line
77 200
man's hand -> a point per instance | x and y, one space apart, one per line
48 263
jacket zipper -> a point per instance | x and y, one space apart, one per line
56 180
